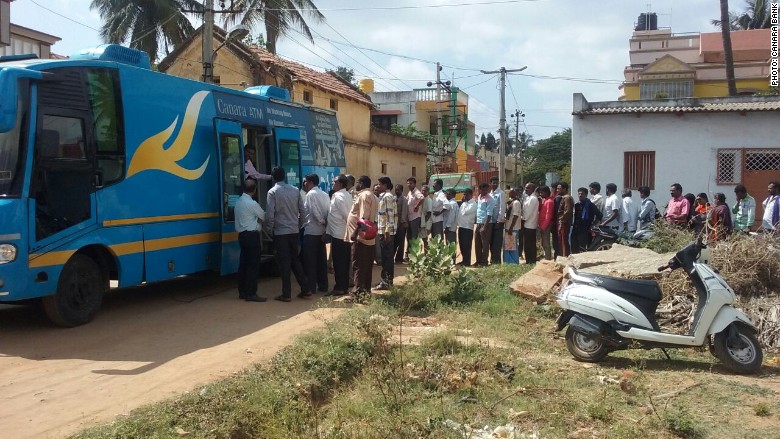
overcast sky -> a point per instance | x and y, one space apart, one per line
563 42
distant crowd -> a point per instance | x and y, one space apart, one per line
364 223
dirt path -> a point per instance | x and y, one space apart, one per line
146 344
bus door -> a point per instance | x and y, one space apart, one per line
62 192
288 149
231 188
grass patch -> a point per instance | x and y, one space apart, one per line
350 381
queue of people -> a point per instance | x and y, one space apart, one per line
364 223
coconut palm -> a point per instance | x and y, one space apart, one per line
146 24
278 16
756 16
728 54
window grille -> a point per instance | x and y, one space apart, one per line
762 160
639 169
729 166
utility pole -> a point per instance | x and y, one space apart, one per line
439 128
502 123
517 144
208 34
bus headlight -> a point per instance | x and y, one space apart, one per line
7 253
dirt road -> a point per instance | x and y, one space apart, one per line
146 344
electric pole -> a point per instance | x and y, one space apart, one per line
502 123
208 34
517 144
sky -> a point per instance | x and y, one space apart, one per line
568 46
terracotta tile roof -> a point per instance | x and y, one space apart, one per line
328 81
691 105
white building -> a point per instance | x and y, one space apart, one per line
706 144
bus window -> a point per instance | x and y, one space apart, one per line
105 103
231 174
290 161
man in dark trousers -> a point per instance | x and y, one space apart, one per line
586 214
285 218
249 219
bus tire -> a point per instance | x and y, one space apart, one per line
79 293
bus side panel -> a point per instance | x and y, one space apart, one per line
172 158
183 247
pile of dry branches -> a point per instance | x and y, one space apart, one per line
751 266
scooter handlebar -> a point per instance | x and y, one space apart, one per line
663 267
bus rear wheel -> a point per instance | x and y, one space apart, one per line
79 294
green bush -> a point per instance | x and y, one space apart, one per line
436 262
465 288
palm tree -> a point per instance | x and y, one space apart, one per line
726 32
146 24
279 17
756 16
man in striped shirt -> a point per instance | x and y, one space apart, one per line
387 221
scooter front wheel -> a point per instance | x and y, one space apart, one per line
585 348
741 353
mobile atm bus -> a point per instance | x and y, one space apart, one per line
112 174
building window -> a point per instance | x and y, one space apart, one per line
638 169
762 160
384 168
729 166
384 122
665 90
334 104
414 171
307 97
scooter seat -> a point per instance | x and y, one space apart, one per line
642 289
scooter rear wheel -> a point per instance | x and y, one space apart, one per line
584 348
739 359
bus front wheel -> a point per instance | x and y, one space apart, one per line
79 294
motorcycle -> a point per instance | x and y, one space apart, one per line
604 314
602 238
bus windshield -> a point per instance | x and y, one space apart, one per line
12 155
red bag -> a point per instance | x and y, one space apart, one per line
367 229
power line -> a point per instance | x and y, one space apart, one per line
67 18
566 78
390 8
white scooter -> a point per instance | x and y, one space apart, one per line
608 313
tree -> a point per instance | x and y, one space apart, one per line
346 74
757 16
726 32
257 40
147 25
278 16
490 143
552 154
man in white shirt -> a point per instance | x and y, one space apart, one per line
451 216
612 208
771 218
467 216
414 204
249 219
629 212
439 208
340 205
313 253
595 196
530 223
513 225
498 218
249 166
426 214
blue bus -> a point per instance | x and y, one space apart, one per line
112 174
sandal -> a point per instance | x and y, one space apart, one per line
303 295
283 299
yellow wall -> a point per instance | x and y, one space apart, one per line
354 117
399 164
721 88
710 89
230 69
631 92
